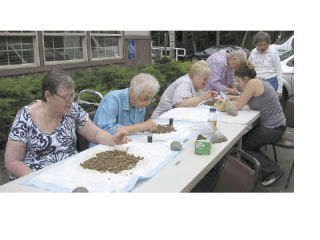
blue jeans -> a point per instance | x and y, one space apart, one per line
258 137
274 82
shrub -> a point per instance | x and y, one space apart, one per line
14 94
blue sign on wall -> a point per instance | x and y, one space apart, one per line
132 49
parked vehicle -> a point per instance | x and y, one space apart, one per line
287 65
284 46
203 55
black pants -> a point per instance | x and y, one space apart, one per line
260 136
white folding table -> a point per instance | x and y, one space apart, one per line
182 173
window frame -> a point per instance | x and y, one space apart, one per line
66 34
35 43
119 35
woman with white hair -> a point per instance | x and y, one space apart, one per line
185 91
125 109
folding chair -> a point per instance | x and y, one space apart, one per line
82 142
240 172
287 141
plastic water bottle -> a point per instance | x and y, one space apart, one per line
212 118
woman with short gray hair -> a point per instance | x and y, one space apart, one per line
186 90
44 132
125 109
266 61
260 37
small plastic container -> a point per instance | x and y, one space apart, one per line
212 118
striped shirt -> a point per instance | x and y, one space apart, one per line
221 76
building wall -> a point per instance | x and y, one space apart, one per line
143 55
143 51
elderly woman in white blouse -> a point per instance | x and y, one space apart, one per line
267 62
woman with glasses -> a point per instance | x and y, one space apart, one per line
125 109
186 90
44 132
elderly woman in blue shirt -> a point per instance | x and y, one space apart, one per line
125 109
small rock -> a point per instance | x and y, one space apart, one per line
175 146
80 190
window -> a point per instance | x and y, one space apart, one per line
18 48
286 54
64 46
106 44
290 63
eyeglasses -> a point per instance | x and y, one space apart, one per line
67 97
147 99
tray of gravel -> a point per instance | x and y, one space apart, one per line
68 174
112 161
164 129
180 131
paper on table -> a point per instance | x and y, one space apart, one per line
200 114
191 114
68 174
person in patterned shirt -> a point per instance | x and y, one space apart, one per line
44 132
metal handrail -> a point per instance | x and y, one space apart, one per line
79 101
165 51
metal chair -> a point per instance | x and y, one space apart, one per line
287 141
82 142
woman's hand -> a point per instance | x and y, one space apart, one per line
149 125
208 95
120 137
233 90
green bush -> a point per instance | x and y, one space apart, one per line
14 94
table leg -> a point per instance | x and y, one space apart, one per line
239 145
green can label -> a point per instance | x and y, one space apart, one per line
202 147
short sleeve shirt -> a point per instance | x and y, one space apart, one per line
114 111
43 149
179 90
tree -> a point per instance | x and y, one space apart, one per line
193 38
244 39
218 38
